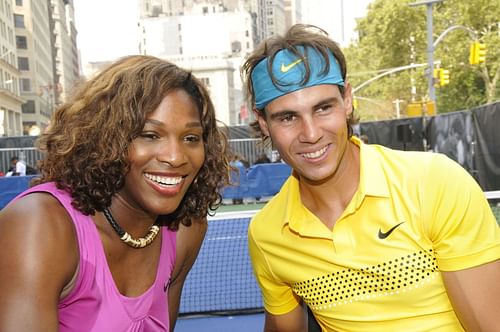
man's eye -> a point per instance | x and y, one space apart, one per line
287 118
324 108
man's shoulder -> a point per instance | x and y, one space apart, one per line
410 160
273 213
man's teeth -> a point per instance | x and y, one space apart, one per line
316 154
166 180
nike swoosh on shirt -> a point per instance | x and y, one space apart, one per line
382 235
284 68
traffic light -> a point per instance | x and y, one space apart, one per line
355 103
444 77
436 77
477 53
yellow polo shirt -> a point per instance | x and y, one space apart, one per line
414 214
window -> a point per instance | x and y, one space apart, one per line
25 85
28 107
205 80
19 2
18 21
21 42
236 47
27 126
23 63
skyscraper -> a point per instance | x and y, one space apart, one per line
10 98
47 57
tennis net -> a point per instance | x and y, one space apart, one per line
494 200
221 281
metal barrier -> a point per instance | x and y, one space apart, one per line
249 148
30 156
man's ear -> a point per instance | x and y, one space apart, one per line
260 116
348 98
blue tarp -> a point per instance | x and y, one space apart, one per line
11 186
257 181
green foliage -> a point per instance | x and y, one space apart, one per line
393 34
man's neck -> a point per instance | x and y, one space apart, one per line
329 199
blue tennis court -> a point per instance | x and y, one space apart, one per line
220 293
240 323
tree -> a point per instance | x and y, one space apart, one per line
393 34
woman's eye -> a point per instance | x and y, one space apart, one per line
193 138
149 135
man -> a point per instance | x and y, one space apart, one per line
369 238
18 167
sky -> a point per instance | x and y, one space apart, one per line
107 29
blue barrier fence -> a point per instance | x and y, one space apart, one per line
256 181
11 186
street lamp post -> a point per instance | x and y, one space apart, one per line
430 46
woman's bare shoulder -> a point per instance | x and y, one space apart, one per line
42 244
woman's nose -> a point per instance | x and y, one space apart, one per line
172 153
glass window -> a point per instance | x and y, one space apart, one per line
28 107
21 42
205 80
27 126
23 63
18 21
25 85
19 2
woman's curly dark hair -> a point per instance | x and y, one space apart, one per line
86 144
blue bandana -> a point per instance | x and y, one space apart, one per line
289 71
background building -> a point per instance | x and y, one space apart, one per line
208 38
34 50
38 63
65 53
10 98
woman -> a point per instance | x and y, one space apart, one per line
105 239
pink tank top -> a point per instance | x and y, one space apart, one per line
95 304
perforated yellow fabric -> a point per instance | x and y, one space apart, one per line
414 215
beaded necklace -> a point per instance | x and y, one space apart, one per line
127 238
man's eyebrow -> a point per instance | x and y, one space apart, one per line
326 101
288 112
282 114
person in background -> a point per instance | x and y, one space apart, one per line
262 159
238 173
18 167
368 238
106 237
364 139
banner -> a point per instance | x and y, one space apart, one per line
486 122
